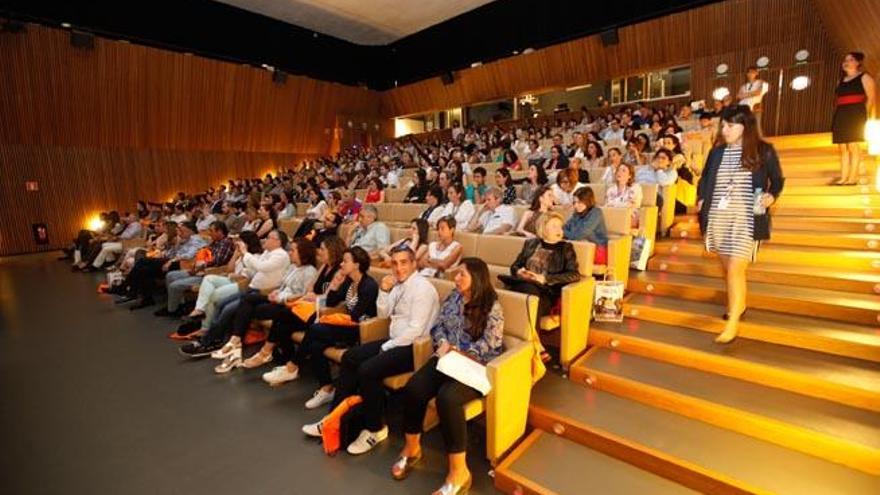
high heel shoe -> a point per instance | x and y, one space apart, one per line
450 489
404 465
742 316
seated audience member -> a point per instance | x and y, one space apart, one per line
436 201
458 207
587 223
614 159
594 157
254 305
352 287
330 258
566 183
112 247
179 282
545 265
375 191
470 321
142 278
317 203
535 155
348 207
659 171
558 160
634 155
234 218
419 188
625 193
268 220
541 204
577 164
265 268
536 179
252 220
206 218
475 190
161 235
411 302
370 234
679 161
505 183
216 288
494 217
286 207
417 241
510 160
443 253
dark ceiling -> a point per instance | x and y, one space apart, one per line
216 30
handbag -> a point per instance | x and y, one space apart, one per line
339 319
608 301
641 251
302 309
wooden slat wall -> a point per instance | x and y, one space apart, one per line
99 129
736 32
76 183
852 25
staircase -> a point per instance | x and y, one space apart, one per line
791 407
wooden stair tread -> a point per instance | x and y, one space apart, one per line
851 372
827 190
838 298
851 424
815 271
754 462
568 458
796 250
796 323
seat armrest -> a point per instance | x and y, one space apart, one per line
215 270
577 304
423 348
618 258
507 405
132 243
648 222
374 329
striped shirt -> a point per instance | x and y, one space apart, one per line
730 229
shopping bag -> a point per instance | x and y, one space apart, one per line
608 301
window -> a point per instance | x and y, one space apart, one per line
651 86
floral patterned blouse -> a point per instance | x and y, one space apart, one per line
451 326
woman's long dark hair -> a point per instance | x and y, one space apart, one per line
536 199
753 146
483 296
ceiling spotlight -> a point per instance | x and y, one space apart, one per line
800 83
476 64
720 93
516 52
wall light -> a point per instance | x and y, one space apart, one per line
872 136
800 83
95 223
721 69
720 93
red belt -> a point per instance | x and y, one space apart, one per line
851 99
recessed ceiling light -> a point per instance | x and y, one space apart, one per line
65 25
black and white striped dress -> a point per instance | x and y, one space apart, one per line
730 230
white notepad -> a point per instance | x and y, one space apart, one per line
464 369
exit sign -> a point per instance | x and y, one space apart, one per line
32 186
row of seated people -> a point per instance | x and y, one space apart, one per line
266 282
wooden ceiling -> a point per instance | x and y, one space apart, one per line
853 25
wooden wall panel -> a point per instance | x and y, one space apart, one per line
75 183
736 32
852 25
127 95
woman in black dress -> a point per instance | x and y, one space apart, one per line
855 102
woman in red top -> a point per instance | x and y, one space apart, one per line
511 160
375 191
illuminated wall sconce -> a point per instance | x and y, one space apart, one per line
95 223
762 62
801 56
800 83
721 69
720 93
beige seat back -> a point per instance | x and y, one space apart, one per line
618 221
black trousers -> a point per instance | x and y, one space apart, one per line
247 311
547 296
284 323
451 395
318 338
362 371
144 274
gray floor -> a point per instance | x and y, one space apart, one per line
95 399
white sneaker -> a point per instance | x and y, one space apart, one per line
314 429
367 440
232 361
320 398
280 375
225 351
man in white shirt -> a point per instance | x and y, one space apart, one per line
113 247
494 217
613 134
370 234
412 304
751 93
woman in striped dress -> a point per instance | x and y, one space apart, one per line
742 178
